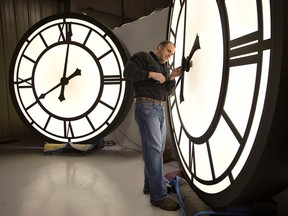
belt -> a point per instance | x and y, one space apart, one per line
158 102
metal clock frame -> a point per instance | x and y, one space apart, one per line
250 183
17 82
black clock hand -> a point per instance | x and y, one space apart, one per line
64 81
195 47
68 39
187 64
183 66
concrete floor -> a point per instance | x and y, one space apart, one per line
106 182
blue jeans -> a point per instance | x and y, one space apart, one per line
150 118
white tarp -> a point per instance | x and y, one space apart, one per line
143 34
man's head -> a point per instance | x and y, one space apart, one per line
165 50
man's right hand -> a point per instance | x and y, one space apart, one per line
157 76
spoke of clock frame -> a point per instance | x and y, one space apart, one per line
105 54
193 160
180 135
172 32
87 37
210 159
30 59
191 150
172 102
245 50
90 123
231 178
232 127
107 105
43 40
31 105
47 122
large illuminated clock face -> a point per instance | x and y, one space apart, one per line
66 79
218 125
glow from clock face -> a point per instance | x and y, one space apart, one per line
64 74
215 126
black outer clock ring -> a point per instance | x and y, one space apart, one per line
128 92
265 171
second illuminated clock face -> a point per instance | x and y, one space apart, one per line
214 128
66 78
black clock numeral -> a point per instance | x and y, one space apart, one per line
65 32
68 31
170 65
184 142
246 49
112 80
24 83
62 35
68 130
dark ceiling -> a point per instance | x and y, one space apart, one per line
126 9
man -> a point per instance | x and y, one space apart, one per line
152 85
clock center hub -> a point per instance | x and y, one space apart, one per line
64 81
